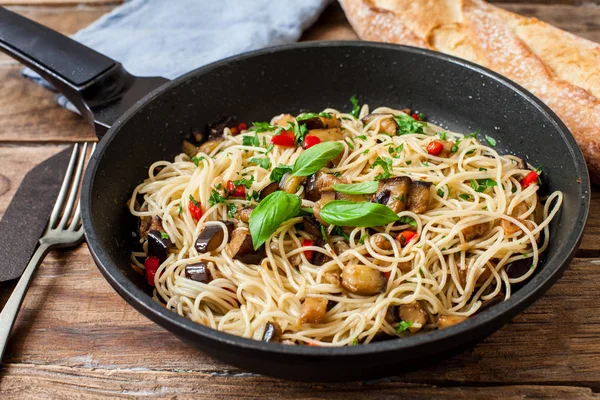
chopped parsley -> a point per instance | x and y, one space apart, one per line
279 171
261 162
215 198
425 163
491 141
246 182
355 342
362 137
253 195
251 140
514 189
482 169
340 232
408 162
366 152
440 192
355 106
300 131
470 152
408 220
403 325
464 196
442 135
349 143
231 210
323 233
362 238
180 208
386 164
196 160
263 127
304 116
164 235
337 174
407 124
395 151
193 200
482 184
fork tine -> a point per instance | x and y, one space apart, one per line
74 189
64 187
76 221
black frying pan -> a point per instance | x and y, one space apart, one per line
258 85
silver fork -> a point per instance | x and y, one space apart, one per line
63 230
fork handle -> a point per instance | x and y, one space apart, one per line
11 308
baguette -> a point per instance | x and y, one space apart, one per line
562 69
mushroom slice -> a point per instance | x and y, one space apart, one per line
318 183
363 280
189 148
243 214
382 242
510 228
394 192
446 149
386 124
350 197
212 236
418 197
272 332
326 135
414 313
290 183
240 247
318 258
474 231
267 190
320 122
444 321
313 310
210 146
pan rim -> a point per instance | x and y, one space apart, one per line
532 291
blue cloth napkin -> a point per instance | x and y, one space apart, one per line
170 37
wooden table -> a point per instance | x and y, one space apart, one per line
76 338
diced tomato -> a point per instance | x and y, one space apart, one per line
406 236
195 210
310 141
285 138
242 126
416 117
435 148
387 274
236 191
529 179
234 130
308 253
151 264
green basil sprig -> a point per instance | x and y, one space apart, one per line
316 157
356 188
363 214
274 210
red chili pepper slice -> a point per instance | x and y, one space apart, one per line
308 253
151 264
529 179
242 126
406 236
310 141
285 138
416 117
435 148
195 209
236 191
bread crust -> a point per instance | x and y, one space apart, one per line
563 70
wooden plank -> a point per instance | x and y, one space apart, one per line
35 382
71 317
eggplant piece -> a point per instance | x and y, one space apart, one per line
290 184
444 321
392 315
474 231
157 245
198 272
243 214
312 226
216 127
386 125
414 313
418 197
267 190
210 146
518 268
189 148
363 280
318 183
394 192
521 164
321 123
313 310
327 135
283 120
272 332
212 236
240 247
147 224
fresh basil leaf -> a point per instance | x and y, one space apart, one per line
363 214
279 171
316 157
356 188
274 210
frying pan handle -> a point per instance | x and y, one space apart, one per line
99 87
